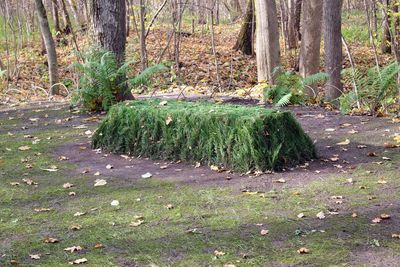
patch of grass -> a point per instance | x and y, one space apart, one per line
225 220
237 137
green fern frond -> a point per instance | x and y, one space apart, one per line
284 101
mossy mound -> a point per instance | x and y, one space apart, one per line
237 137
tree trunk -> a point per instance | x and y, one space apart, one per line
75 13
56 18
50 46
109 19
267 39
292 34
244 42
311 39
333 48
143 53
67 19
386 34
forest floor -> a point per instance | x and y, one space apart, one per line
343 208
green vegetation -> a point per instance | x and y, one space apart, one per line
289 87
102 79
375 91
204 218
236 137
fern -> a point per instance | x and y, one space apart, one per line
376 91
102 79
289 87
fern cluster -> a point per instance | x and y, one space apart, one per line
376 89
102 78
236 137
288 87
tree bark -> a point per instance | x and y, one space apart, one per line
244 42
311 39
386 34
109 19
56 18
333 48
50 46
292 34
267 39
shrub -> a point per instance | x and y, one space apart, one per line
289 87
102 79
236 137
376 90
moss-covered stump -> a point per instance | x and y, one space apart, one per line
237 137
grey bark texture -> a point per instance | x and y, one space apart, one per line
333 48
50 46
311 39
244 42
267 39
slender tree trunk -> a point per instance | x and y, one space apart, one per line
67 19
56 18
143 53
109 19
333 48
311 40
50 46
244 42
386 22
267 39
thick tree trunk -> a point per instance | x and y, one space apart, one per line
50 46
109 19
311 39
386 34
333 48
267 39
244 42
56 18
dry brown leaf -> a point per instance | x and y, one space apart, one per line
78 261
219 253
264 232
303 250
34 256
68 185
50 240
73 249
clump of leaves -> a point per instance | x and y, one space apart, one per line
102 78
375 90
289 87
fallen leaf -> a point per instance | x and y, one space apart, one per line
71 194
109 167
75 227
395 235
42 209
68 185
321 215
386 158
168 120
163 103
29 181
344 143
100 182
50 240
73 249
301 215
354 215
385 216
377 220
197 165
96 174
137 223
24 148
281 180
147 175
352 131
303 250
35 256
77 214
98 246
329 130
14 183
78 261
170 206
115 203
264 232
219 253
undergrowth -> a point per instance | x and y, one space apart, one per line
235 137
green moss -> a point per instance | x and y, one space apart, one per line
237 137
